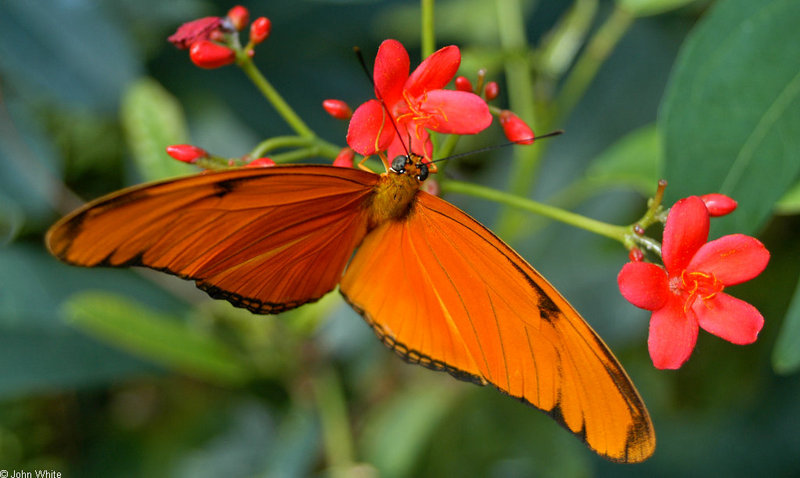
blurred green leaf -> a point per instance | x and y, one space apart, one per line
732 110
37 350
156 337
153 119
786 354
633 161
86 60
790 202
643 8
396 434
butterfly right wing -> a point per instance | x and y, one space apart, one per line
267 239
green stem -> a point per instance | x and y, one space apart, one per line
428 30
272 95
295 155
594 55
336 432
619 233
277 142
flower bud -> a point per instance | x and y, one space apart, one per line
345 158
186 152
260 163
491 91
718 204
239 17
338 109
636 255
207 54
463 84
259 30
515 129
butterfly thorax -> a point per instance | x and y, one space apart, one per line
394 194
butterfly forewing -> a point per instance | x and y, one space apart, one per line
444 292
268 239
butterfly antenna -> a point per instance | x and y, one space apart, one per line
498 146
364 67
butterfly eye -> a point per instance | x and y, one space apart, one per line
399 164
423 172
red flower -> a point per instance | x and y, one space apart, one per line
417 103
196 30
689 293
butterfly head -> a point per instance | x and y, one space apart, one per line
411 165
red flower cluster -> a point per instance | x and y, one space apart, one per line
417 104
207 39
687 292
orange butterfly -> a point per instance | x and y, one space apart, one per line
436 286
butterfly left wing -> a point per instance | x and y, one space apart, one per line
446 293
268 239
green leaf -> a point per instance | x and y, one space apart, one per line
786 354
643 8
396 433
634 161
790 202
732 110
157 337
153 119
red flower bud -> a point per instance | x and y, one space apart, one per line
259 30
491 91
515 129
463 84
207 54
260 163
345 158
338 109
194 31
636 255
239 17
186 152
718 204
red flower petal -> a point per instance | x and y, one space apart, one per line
456 112
732 259
644 285
207 54
435 72
390 71
685 231
673 335
729 318
420 142
369 121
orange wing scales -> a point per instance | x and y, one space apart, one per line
444 292
266 239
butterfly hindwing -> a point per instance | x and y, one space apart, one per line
268 239
445 292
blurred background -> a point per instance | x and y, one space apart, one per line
130 373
